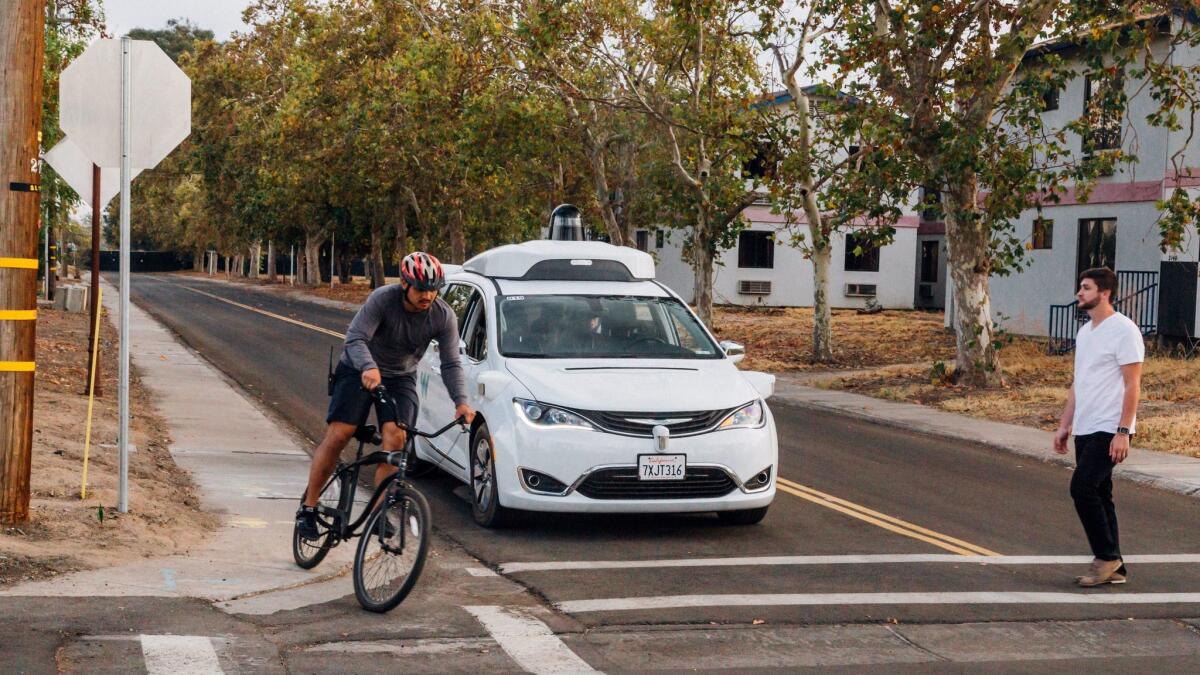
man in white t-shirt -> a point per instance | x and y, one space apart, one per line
1101 412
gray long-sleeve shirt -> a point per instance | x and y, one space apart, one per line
386 336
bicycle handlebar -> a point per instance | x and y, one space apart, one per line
380 394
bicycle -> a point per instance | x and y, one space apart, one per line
394 538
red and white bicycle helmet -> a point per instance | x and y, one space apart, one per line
423 271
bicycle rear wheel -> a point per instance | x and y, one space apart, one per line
308 553
392 549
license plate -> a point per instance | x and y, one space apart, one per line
662 467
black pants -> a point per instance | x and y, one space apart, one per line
1091 488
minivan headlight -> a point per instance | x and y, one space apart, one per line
748 416
544 415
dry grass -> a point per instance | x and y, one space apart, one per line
780 339
1035 390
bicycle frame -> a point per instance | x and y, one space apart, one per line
340 529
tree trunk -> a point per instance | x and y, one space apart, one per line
968 239
312 257
198 260
254 258
702 265
822 332
376 271
271 261
344 261
458 242
402 234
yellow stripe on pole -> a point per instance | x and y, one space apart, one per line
20 263
17 366
87 435
18 315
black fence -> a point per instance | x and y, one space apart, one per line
1137 299
146 261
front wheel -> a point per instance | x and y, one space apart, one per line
485 492
392 549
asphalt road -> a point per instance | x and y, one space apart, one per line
858 490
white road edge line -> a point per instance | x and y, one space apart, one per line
528 641
180 655
865 559
813 599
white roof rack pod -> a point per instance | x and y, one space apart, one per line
563 260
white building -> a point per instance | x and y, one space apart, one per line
764 269
1117 226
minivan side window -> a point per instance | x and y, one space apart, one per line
475 332
458 296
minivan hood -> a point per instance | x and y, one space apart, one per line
644 385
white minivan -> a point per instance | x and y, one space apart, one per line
597 391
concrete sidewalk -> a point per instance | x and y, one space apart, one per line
1159 469
247 468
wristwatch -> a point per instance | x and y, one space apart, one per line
1125 430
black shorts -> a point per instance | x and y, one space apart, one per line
351 404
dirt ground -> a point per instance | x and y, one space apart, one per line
67 533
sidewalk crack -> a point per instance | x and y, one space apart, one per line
901 637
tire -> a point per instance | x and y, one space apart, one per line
485 493
387 567
743 517
308 553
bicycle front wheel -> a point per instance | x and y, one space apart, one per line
392 549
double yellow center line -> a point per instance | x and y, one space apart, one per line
883 520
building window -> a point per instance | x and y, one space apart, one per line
929 261
756 249
1043 233
659 239
931 204
861 254
643 240
1050 98
1103 101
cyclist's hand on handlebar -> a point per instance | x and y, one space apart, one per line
465 412
371 379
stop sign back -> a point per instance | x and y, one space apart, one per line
160 108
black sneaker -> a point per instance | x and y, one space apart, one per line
306 523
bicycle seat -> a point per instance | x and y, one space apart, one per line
366 434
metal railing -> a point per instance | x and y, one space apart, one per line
1139 303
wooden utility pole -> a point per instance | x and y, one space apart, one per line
21 56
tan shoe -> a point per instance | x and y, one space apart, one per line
1102 572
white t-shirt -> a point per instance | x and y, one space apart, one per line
1099 387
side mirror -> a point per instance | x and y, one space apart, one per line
736 352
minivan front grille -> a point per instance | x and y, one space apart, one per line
622 483
643 423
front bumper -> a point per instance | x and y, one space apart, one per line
571 455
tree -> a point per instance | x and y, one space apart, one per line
966 99
832 163
178 38
690 67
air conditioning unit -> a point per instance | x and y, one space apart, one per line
860 290
747 287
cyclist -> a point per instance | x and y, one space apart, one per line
386 339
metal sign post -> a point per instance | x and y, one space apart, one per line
127 105
123 405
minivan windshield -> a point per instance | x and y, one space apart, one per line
596 326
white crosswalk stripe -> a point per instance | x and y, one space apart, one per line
528 641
